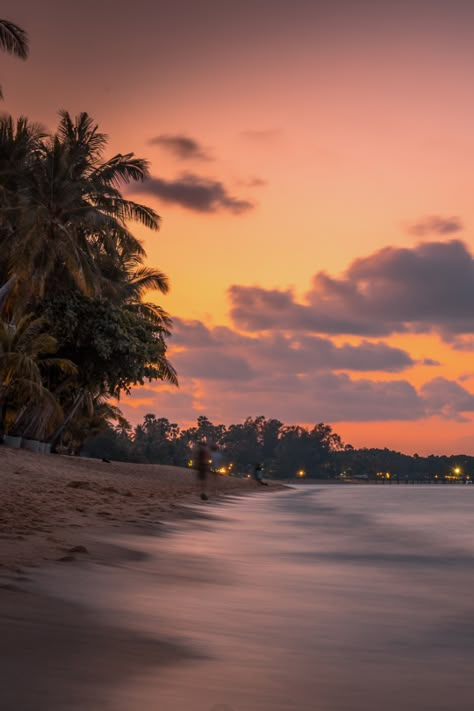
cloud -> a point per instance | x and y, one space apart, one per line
222 366
296 378
254 183
254 308
181 146
427 288
173 403
429 362
337 397
216 353
261 136
321 397
317 397
196 193
436 225
447 399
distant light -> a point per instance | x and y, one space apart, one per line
457 470
301 472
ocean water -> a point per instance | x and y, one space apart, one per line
322 598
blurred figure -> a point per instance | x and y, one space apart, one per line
202 460
258 475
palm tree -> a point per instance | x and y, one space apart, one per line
64 234
70 211
25 357
94 415
125 280
20 144
13 40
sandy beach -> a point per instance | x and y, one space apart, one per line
58 512
336 598
54 507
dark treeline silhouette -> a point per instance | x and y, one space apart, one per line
285 451
282 450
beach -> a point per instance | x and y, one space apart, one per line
335 598
61 512
53 506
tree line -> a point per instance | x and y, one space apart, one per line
285 451
75 328
282 449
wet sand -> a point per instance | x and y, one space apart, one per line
58 514
56 655
53 506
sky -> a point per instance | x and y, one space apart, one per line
312 166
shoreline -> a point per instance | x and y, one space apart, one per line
60 511
55 508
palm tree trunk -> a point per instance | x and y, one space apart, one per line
32 426
54 439
5 292
3 413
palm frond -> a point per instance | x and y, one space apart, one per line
13 39
121 169
65 365
147 278
153 313
167 373
5 292
125 210
82 132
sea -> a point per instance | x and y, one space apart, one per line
317 598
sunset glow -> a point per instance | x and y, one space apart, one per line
312 165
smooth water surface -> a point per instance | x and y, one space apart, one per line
330 598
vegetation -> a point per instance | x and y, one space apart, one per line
72 277
286 452
13 40
282 449
25 366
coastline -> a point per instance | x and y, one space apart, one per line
60 511
57 508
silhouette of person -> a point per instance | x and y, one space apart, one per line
258 475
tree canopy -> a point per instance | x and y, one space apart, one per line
285 451
69 259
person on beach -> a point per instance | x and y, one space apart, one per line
258 475
201 463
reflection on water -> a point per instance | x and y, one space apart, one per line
322 598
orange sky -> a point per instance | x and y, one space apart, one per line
346 130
